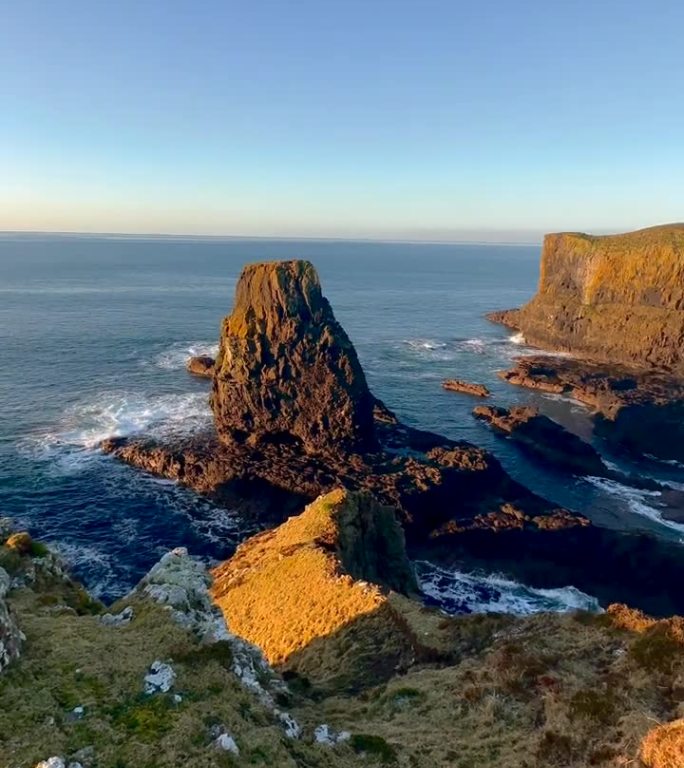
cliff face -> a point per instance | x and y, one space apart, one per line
617 298
286 370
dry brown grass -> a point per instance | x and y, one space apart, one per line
663 747
286 587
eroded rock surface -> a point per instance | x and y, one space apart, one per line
11 636
544 437
286 370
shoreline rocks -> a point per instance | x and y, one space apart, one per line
467 387
545 438
634 410
202 365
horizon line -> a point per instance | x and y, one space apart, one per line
290 238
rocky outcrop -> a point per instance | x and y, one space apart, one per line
286 370
614 299
635 410
11 636
467 387
545 438
336 570
201 365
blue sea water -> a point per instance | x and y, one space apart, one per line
95 333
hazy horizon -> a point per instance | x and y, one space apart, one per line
432 121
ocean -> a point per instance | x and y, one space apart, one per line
95 333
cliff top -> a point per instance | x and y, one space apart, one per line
661 234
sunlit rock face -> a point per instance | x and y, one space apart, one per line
615 298
286 370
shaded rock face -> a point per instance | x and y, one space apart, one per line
286 370
617 298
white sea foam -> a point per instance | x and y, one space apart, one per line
95 566
177 355
85 425
458 592
429 344
517 338
636 500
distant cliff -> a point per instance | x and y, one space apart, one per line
616 298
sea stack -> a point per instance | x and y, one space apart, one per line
613 299
286 370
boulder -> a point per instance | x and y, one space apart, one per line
202 365
286 370
613 298
467 387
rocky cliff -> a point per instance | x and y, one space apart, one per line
616 298
286 369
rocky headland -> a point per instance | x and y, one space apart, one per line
294 419
616 303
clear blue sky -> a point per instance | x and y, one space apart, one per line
429 119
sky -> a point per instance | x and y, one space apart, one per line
494 120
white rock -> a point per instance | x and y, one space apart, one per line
160 678
293 730
11 637
324 734
177 698
180 583
118 619
51 762
227 743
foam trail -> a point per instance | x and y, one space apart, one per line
457 592
177 355
636 500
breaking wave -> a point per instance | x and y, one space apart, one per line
116 414
637 500
177 355
456 592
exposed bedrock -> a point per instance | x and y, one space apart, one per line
295 419
615 299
